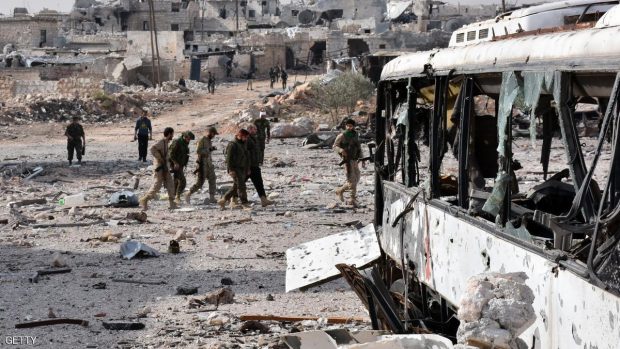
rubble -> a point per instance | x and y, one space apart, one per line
495 309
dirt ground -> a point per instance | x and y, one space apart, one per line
250 253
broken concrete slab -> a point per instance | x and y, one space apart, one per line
314 262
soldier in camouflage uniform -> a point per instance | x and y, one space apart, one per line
178 155
205 168
347 144
263 135
76 140
161 172
238 167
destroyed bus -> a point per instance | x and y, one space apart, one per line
452 202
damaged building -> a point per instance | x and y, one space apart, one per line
226 38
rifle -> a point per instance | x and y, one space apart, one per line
344 160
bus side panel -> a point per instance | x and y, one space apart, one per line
570 312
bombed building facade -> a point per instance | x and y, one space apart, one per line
147 42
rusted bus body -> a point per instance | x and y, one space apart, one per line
449 112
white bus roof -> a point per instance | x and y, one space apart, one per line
597 48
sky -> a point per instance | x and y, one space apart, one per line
33 6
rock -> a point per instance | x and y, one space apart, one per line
220 296
74 211
58 261
144 312
219 319
110 236
254 326
138 216
288 214
180 235
227 281
186 290
270 298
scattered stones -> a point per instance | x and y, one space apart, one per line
58 261
227 281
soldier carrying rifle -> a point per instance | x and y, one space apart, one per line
347 144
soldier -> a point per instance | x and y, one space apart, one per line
256 176
237 165
211 83
161 174
76 140
250 77
143 132
205 168
178 156
263 134
272 77
347 144
284 77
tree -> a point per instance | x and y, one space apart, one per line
342 92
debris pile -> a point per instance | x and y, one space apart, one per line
495 309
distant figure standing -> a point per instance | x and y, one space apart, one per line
250 79
76 140
211 83
143 132
272 77
161 172
277 70
228 68
284 77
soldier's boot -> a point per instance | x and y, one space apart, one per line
353 200
234 203
222 203
144 203
177 199
340 193
212 199
187 197
265 202
173 205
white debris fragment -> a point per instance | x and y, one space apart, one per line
495 309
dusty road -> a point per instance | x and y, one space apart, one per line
250 254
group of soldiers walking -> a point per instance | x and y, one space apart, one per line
277 73
244 156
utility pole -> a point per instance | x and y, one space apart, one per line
154 30
202 21
503 6
237 15
152 44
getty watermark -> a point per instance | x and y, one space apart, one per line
19 340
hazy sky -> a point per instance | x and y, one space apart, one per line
6 6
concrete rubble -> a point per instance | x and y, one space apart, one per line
495 309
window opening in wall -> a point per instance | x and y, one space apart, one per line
460 37
223 13
145 25
195 48
43 38
176 6
264 3
174 27
251 13
381 46
294 13
367 31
